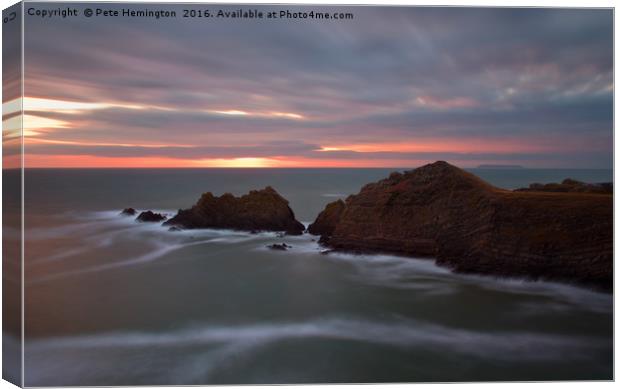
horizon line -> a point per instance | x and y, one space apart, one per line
285 167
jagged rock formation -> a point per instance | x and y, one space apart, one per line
571 186
258 210
150 217
441 211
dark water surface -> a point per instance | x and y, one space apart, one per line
113 302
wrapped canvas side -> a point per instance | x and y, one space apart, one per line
12 204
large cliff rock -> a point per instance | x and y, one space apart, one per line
262 210
441 211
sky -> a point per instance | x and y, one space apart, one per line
394 87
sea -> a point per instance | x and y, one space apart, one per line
109 301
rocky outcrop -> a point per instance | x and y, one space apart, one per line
570 186
259 210
441 211
150 217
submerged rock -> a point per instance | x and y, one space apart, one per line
128 212
150 217
174 229
441 211
279 246
259 210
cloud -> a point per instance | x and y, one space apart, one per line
400 74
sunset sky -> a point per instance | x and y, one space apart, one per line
395 87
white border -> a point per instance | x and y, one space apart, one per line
480 3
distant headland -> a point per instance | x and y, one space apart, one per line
499 166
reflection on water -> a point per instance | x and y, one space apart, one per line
110 301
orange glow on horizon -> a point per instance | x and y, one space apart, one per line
445 146
328 156
11 162
85 161
238 162
432 145
346 150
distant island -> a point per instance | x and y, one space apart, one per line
500 166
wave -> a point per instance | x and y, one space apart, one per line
401 333
109 228
424 275
95 221
153 255
225 343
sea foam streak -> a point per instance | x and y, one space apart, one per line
108 228
424 276
223 342
401 333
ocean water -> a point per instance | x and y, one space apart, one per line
113 302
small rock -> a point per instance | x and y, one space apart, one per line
281 247
128 212
174 229
150 217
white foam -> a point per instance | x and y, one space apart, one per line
153 255
399 333
93 359
107 228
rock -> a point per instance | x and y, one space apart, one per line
173 228
128 212
150 217
282 246
571 186
441 211
326 222
259 210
